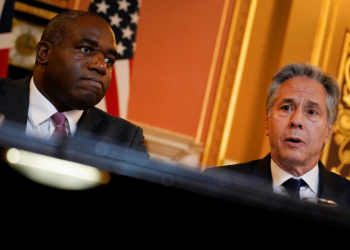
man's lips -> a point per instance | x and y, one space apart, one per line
294 140
94 80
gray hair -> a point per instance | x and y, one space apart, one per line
313 72
59 26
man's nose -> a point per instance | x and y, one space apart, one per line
98 63
297 118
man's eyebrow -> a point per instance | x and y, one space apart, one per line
291 100
113 52
95 44
287 100
312 103
89 41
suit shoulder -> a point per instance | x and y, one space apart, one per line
244 167
112 119
14 83
333 177
4 81
340 180
115 129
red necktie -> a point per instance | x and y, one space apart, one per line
60 129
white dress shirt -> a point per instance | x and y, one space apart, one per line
279 176
40 123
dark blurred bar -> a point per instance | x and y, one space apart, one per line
143 192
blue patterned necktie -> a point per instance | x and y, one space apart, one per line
292 187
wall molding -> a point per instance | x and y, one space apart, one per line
172 148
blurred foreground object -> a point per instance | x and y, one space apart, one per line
55 172
123 188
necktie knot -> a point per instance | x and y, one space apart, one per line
60 120
292 187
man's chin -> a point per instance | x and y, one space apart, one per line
291 158
87 101
84 106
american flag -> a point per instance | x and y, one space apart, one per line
123 17
6 16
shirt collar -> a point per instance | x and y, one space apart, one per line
39 107
279 176
42 109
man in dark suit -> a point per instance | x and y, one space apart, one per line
301 107
72 73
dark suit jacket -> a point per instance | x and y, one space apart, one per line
14 104
257 174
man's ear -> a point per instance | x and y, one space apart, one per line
328 132
43 50
267 124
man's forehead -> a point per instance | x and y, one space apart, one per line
297 89
100 33
292 100
302 86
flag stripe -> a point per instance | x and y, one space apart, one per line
111 98
102 104
6 15
116 100
4 55
2 3
122 69
123 18
5 39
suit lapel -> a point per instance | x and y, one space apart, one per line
261 176
327 187
89 122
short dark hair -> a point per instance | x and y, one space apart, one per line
313 72
59 25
